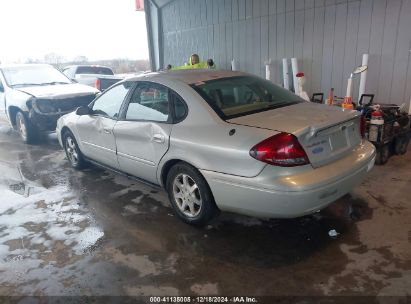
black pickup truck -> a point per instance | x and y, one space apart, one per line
99 77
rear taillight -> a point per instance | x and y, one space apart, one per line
97 84
363 124
280 150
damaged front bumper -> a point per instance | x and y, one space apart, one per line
44 113
45 121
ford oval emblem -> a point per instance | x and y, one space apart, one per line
317 150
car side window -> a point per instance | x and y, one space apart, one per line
180 110
110 102
150 101
1 86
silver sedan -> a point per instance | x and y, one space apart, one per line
221 140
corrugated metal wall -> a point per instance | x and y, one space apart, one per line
327 36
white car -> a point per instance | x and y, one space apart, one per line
34 96
219 140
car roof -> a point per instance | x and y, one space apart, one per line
188 76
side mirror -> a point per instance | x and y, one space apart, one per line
1 88
83 111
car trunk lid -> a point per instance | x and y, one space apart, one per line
326 133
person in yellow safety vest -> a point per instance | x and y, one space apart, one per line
194 59
194 63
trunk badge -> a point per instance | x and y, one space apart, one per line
317 150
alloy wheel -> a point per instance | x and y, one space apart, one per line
71 150
187 195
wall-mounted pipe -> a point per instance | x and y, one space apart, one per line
233 65
286 80
349 87
363 79
294 66
268 70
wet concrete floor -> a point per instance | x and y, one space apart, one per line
93 232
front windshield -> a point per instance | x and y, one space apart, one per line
33 75
244 95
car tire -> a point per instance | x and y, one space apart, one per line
73 153
190 195
383 154
28 133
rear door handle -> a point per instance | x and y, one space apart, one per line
107 131
158 138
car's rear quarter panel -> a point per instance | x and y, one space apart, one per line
296 192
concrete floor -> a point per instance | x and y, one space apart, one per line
65 232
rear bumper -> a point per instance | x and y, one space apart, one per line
292 195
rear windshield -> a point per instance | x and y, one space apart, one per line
244 95
94 70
